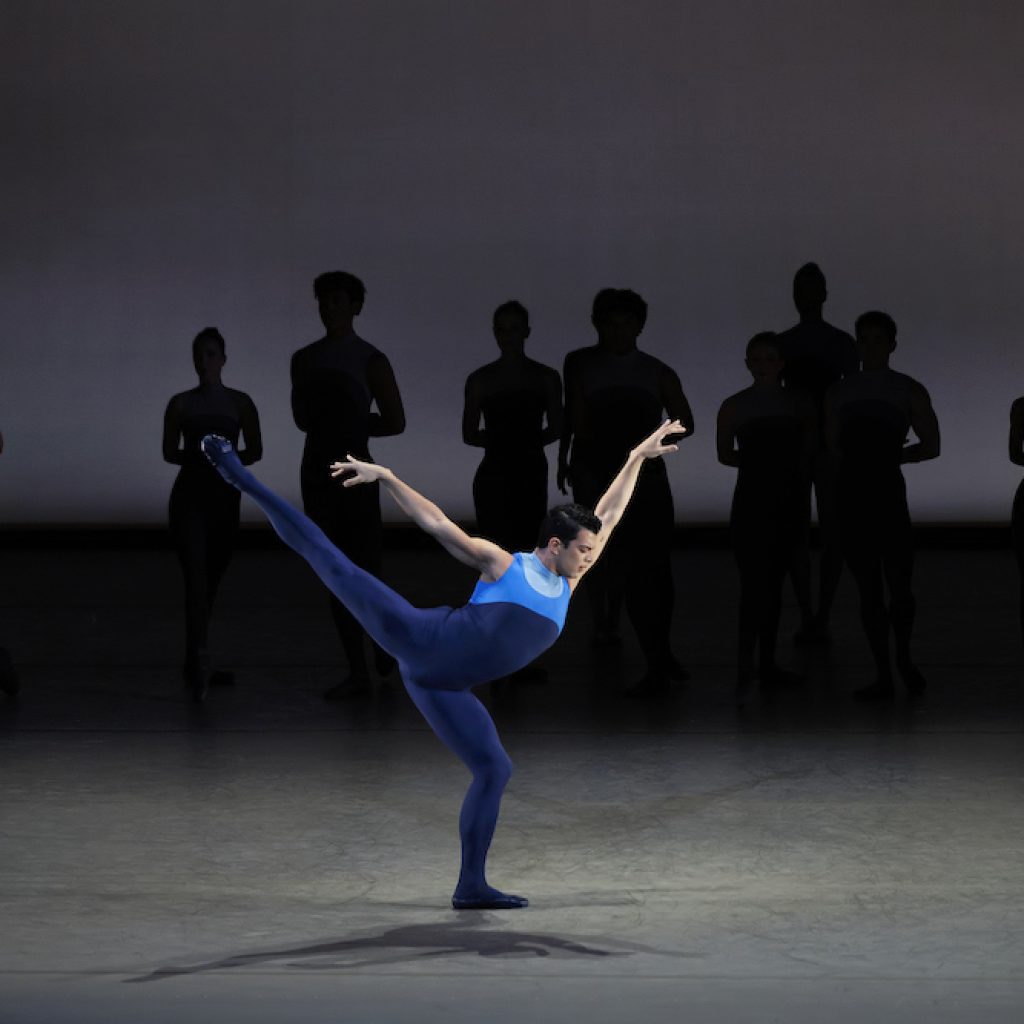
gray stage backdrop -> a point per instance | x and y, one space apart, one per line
168 165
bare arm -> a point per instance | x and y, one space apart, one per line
487 558
472 434
172 450
250 424
925 425
725 435
390 417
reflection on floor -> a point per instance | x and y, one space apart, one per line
268 856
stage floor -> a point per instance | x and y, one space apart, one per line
270 857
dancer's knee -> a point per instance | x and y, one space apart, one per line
494 770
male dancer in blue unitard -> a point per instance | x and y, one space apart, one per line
516 611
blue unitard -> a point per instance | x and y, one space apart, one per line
442 653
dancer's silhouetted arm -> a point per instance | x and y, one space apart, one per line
489 559
925 425
674 401
1017 432
553 410
390 417
725 435
249 420
572 421
472 433
173 452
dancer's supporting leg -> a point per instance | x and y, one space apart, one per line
386 616
462 723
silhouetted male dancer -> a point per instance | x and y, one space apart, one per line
1017 519
515 612
335 382
816 355
867 419
615 395
203 509
9 682
767 432
514 395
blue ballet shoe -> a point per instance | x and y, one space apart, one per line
491 901
222 456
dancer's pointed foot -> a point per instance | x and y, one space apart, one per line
487 898
223 457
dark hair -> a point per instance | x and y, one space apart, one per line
511 308
565 522
810 274
769 338
207 334
875 318
335 281
609 301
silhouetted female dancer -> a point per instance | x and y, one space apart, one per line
767 432
868 416
514 395
516 611
1017 520
203 509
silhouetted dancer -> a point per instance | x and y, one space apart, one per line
1017 518
9 683
203 509
766 431
816 355
867 419
514 395
615 395
335 383
515 612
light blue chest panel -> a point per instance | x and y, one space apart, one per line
530 585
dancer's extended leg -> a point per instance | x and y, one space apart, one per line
388 618
462 723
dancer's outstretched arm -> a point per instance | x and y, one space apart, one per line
612 504
490 560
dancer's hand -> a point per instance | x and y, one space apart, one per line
356 472
662 441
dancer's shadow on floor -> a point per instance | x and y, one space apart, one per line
410 943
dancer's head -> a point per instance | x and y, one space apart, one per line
568 538
876 339
618 316
511 326
340 296
764 358
209 354
809 290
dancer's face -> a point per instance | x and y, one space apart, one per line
574 558
209 360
